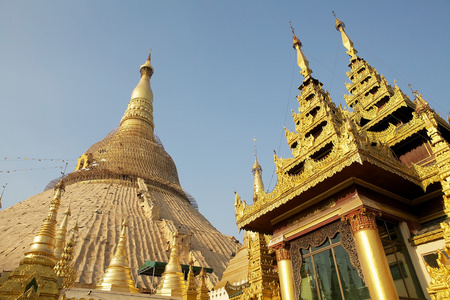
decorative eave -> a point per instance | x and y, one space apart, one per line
234 290
394 135
305 145
302 121
375 79
428 237
342 156
386 111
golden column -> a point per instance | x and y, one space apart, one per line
285 272
371 254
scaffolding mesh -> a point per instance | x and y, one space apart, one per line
127 154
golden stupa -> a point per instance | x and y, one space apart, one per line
117 276
127 174
34 277
172 282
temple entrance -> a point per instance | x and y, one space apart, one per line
327 273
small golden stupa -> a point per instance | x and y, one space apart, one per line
202 290
172 280
64 268
35 276
190 292
117 276
61 235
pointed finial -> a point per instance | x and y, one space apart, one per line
339 23
295 38
421 104
147 68
124 226
302 62
348 44
75 227
139 113
60 241
395 84
67 212
258 184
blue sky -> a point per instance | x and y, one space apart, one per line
225 71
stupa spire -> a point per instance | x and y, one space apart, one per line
61 235
117 276
65 268
44 243
139 113
340 26
172 280
190 292
202 289
302 62
39 260
258 184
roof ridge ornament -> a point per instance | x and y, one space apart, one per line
346 41
302 62
421 104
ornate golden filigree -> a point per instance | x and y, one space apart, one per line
362 219
64 268
439 287
262 276
426 237
349 146
317 238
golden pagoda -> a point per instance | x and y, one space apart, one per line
117 276
190 291
202 290
61 235
64 268
172 280
355 212
128 173
35 277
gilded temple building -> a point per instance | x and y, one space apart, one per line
127 175
360 210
